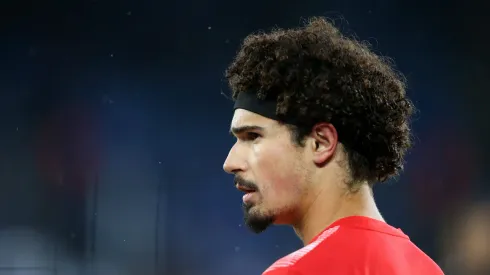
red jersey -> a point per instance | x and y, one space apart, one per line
357 246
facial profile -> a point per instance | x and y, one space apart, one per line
268 167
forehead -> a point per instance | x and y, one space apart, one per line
243 117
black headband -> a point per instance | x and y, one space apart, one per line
264 107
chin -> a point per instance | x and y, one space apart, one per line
256 220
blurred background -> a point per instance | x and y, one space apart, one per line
114 130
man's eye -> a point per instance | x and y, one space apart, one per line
252 136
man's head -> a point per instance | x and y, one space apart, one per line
314 111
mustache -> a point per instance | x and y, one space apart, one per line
245 183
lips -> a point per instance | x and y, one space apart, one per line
245 189
249 193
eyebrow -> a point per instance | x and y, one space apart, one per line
247 128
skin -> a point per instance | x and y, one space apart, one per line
301 186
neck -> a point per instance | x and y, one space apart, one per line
323 210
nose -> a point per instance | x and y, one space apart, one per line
233 163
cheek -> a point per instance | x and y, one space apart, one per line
278 173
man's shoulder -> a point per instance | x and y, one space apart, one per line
291 264
340 250
289 270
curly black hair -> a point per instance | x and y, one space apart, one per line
319 75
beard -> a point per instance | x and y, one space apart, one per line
257 222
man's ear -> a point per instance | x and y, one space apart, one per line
324 142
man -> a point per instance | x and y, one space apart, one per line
319 119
